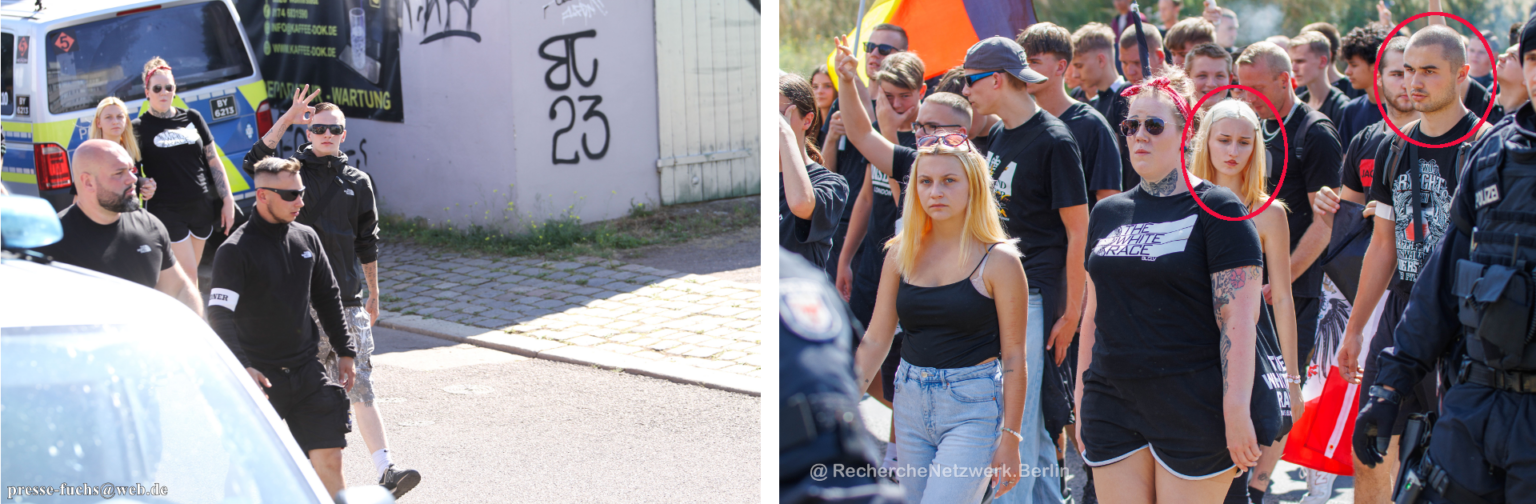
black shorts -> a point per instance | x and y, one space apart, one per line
1424 397
196 218
1179 417
315 408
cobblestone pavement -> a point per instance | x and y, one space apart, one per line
639 311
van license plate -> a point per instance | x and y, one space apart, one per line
224 106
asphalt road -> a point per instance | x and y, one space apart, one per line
486 426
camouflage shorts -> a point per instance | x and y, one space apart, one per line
361 327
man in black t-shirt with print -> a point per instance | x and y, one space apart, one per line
1043 200
1314 164
1050 52
106 231
1413 206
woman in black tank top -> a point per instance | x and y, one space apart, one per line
953 279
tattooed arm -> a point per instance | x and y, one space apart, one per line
1236 300
221 185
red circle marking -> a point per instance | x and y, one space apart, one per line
1184 165
1376 81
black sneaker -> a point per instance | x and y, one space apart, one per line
399 482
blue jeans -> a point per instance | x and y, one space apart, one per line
1041 480
947 427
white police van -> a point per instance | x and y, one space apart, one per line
61 57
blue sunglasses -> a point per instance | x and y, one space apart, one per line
970 80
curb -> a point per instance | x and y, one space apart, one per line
552 350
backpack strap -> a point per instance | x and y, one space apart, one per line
1311 119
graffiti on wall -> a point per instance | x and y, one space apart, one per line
444 12
566 70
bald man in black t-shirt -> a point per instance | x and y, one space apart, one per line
106 231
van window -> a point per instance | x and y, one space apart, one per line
104 58
7 90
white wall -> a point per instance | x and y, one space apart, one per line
476 143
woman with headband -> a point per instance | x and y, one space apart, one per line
953 278
1229 137
1166 359
178 151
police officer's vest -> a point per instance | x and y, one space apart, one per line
1495 288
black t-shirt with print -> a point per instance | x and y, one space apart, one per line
1360 159
1319 168
1437 181
172 149
1151 260
135 248
1097 145
1037 172
812 238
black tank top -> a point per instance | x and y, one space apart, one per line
950 326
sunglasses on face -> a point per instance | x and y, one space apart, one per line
885 49
320 129
286 194
970 80
1155 126
954 140
168 88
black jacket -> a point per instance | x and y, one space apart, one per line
348 222
265 277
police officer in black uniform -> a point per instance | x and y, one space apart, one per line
825 452
1470 314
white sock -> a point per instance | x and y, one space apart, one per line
381 461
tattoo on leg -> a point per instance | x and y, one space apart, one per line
1165 187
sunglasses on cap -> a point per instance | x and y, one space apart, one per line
169 88
954 140
286 194
319 129
885 49
970 80
1155 126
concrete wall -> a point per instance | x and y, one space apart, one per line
479 145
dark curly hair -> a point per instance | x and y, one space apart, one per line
1362 42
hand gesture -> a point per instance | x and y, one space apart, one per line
1212 12
300 112
847 63
1383 14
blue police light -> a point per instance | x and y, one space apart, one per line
28 222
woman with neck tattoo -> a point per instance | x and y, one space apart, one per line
953 279
178 151
1225 145
1167 352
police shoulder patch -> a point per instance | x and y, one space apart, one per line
810 310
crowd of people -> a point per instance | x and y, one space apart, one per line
287 292
1042 265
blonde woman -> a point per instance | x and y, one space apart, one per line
112 123
1225 146
953 279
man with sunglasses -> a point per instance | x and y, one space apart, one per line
341 207
266 277
1315 159
1043 201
